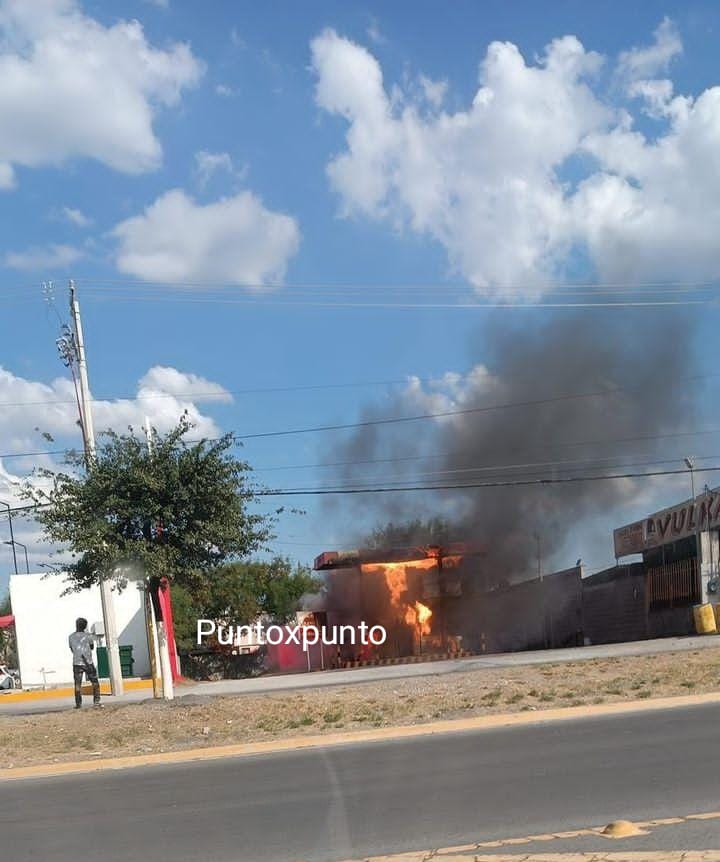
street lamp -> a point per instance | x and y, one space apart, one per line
12 537
690 464
24 547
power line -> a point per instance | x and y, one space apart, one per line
7 455
215 394
432 306
122 283
515 483
439 415
475 485
218 395
564 444
500 470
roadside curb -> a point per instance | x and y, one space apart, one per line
68 691
249 749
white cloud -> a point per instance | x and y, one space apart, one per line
224 90
7 176
29 408
40 258
71 87
434 90
208 164
76 217
481 181
163 394
490 182
640 63
234 240
375 34
163 380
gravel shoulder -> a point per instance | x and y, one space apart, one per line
194 721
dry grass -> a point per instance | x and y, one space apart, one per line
193 722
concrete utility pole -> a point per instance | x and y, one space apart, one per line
160 638
12 537
106 597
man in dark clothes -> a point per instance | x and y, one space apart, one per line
81 644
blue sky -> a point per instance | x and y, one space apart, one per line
242 110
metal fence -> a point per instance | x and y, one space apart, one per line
674 584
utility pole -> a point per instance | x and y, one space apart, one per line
159 634
106 597
12 537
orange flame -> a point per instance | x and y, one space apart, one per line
419 615
396 580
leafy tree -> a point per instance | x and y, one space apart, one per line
433 531
180 511
241 592
186 612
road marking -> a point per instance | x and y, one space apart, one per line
625 856
458 852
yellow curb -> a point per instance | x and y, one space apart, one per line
573 833
483 722
626 856
457 852
666 821
68 691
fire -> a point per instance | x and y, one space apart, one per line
395 576
419 615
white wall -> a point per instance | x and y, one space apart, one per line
44 618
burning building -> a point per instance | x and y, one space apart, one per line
445 600
414 593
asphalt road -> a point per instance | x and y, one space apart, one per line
382 797
290 682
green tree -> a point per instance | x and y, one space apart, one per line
186 612
179 512
433 531
241 592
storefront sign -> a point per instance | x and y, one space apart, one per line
669 525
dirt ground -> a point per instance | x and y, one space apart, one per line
192 722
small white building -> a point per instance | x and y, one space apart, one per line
44 618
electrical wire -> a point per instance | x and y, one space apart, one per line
516 483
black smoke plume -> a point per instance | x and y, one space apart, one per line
636 369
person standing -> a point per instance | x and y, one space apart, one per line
81 644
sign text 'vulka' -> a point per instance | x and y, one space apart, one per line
669 525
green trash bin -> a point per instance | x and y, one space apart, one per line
102 662
126 661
